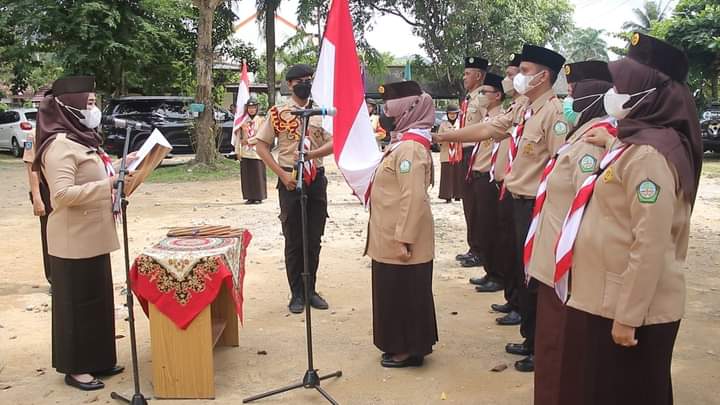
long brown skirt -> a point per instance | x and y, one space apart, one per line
617 375
403 308
83 315
253 179
557 364
449 182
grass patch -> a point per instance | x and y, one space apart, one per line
711 168
225 169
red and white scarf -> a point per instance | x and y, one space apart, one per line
515 138
571 225
309 167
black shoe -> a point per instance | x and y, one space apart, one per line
93 385
257 202
505 308
248 202
412 361
519 349
464 256
386 356
510 319
317 302
296 305
473 262
526 365
478 280
109 372
489 286
448 201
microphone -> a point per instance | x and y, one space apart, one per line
323 111
121 123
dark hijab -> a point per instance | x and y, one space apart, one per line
666 120
54 119
586 88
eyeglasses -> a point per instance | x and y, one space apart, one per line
488 91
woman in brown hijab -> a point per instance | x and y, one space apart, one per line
81 232
400 234
627 282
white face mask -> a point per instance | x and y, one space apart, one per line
614 102
93 116
521 82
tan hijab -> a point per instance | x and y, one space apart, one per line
414 112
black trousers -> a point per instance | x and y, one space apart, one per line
292 230
508 259
527 294
485 223
45 197
469 203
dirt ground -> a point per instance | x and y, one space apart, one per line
459 372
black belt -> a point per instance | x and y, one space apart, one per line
480 175
521 197
320 170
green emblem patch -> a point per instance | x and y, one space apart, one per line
405 166
587 164
648 192
560 128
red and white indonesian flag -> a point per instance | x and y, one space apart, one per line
243 96
339 83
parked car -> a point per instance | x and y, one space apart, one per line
15 125
710 127
169 114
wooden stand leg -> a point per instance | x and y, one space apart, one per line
223 312
182 359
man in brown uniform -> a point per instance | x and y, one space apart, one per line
40 199
538 136
284 126
448 175
473 110
484 192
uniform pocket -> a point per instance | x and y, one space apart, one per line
613 284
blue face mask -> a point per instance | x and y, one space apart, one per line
572 116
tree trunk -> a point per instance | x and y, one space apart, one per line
270 50
205 151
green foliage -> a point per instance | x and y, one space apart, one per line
695 28
142 46
580 44
651 13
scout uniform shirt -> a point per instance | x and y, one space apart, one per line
29 152
572 167
633 240
544 133
248 130
400 206
445 127
286 127
474 113
484 154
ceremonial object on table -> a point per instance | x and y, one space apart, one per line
191 288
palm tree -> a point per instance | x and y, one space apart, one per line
584 44
651 13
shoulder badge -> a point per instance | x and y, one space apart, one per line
405 166
648 192
28 144
587 163
560 128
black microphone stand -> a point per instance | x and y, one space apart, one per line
120 206
311 378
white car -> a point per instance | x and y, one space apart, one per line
15 125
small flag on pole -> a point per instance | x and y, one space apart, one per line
243 96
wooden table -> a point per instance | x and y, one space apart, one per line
182 360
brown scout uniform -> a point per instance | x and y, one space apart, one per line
28 158
243 151
82 224
400 206
286 127
629 252
451 181
475 113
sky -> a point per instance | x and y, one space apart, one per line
608 15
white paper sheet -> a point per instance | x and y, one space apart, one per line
156 138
